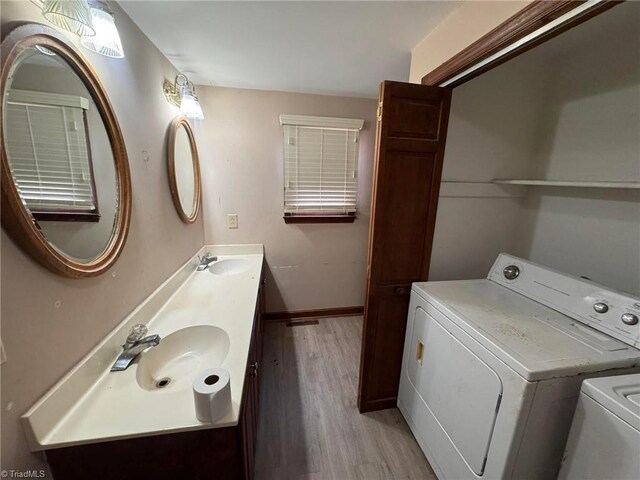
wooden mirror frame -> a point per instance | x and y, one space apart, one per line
183 122
16 218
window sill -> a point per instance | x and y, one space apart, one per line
295 218
66 216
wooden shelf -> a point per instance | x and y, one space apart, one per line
566 183
480 190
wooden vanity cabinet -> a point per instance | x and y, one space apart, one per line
220 453
251 392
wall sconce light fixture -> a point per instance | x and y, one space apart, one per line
106 41
71 15
91 19
182 93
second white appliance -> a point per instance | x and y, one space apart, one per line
605 435
492 368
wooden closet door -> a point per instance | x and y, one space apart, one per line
410 140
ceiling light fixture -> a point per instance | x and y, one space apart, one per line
106 40
182 93
71 15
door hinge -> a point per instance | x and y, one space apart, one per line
379 112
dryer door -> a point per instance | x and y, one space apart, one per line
460 391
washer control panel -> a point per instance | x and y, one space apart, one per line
615 313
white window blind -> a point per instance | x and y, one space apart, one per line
320 164
49 152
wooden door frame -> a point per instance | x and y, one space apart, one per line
532 17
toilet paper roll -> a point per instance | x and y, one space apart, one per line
212 394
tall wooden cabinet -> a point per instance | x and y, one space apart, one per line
411 133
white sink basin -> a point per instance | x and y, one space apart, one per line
180 356
232 266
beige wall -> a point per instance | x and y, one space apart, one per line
492 130
466 24
44 339
309 266
589 129
567 110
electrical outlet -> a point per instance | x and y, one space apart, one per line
232 220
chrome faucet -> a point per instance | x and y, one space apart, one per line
205 261
136 343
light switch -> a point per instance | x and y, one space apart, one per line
232 220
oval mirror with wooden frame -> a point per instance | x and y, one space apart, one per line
66 187
184 169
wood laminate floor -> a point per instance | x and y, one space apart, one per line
310 427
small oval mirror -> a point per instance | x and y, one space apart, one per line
184 169
65 180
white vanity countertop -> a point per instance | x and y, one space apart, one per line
91 404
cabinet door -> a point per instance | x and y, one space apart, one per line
410 139
259 334
254 379
251 394
247 429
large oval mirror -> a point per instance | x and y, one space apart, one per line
65 177
184 169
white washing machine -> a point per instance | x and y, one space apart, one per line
492 368
605 435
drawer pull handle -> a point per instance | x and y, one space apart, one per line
254 370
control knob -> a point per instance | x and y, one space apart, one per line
601 307
629 318
511 272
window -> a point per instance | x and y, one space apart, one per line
320 168
50 155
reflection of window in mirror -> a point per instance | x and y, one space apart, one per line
48 139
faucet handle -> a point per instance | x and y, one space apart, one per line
137 332
207 256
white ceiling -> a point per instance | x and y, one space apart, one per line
328 47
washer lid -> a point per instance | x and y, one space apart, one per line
536 341
620 395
